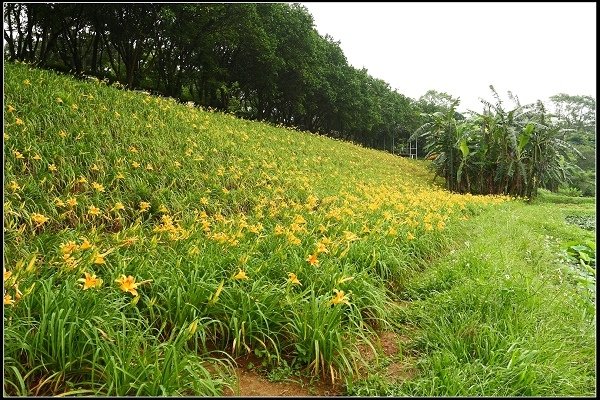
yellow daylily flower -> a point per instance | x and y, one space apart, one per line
72 202
312 260
90 281
241 275
144 206
128 284
39 218
85 245
339 297
98 186
293 279
8 301
14 186
93 210
69 247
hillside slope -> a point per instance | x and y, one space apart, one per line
142 236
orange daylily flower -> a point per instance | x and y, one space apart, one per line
90 281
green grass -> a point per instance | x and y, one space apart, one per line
210 215
500 315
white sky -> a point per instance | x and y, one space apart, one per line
535 50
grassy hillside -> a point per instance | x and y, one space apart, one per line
148 242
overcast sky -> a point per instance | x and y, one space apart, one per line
535 50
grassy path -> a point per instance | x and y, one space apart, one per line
500 315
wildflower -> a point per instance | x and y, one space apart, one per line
39 218
312 260
62 133
52 168
410 236
59 100
118 206
92 210
128 284
74 107
149 167
204 201
37 157
144 206
339 297
72 202
85 245
26 82
350 236
98 186
7 274
90 281
241 275
69 260
99 259
18 293
59 202
8 301
69 247
94 167
10 108
135 164
120 176
441 225
293 279
163 209
19 121
293 239
321 248
18 155
14 186
132 149
177 164
279 230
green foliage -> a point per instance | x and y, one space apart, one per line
499 316
512 152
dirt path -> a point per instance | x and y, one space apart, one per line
253 383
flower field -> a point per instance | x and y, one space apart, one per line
146 240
